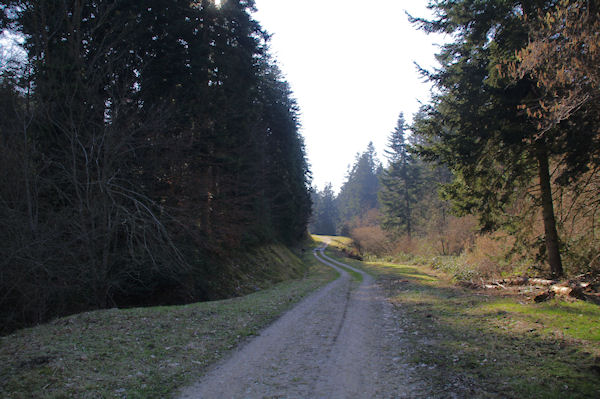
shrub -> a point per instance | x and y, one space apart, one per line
371 240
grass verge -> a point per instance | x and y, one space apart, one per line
338 244
356 276
477 344
140 352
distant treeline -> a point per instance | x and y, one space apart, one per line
140 142
510 139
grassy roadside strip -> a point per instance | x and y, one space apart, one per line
479 344
356 276
337 243
140 352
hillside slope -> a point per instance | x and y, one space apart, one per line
149 352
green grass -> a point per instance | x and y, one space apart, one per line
337 242
141 352
249 271
482 344
493 345
356 276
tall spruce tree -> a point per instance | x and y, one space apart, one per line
474 125
157 136
399 184
286 171
324 218
359 192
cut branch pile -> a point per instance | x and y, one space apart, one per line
584 287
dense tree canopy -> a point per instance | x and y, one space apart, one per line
139 142
359 192
325 213
474 124
400 184
562 56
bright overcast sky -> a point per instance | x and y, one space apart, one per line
351 66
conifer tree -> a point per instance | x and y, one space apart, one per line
324 211
399 184
158 136
359 192
474 125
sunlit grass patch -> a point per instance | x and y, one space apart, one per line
484 345
338 242
578 320
355 275
408 272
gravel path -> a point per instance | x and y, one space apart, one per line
340 342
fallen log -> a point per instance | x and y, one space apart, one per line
572 291
517 281
526 281
541 281
561 290
544 296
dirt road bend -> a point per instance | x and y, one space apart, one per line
340 342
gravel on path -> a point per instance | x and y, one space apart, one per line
339 342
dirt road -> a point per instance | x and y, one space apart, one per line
340 342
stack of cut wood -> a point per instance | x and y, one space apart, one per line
584 287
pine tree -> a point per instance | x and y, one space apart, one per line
474 125
324 211
158 136
359 192
286 168
399 184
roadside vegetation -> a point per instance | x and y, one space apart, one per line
141 352
498 175
144 150
488 344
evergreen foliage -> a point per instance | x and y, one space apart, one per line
325 213
140 143
474 125
400 184
359 192
562 56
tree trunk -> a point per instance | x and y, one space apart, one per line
551 238
408 215
407 198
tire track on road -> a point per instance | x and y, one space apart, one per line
333 344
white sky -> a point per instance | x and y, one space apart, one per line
351 66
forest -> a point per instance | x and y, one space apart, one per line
142 144
498 175
161 234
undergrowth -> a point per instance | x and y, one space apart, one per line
477 344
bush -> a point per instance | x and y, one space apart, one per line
454 266
491 256
372 240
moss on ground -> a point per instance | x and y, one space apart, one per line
141 352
